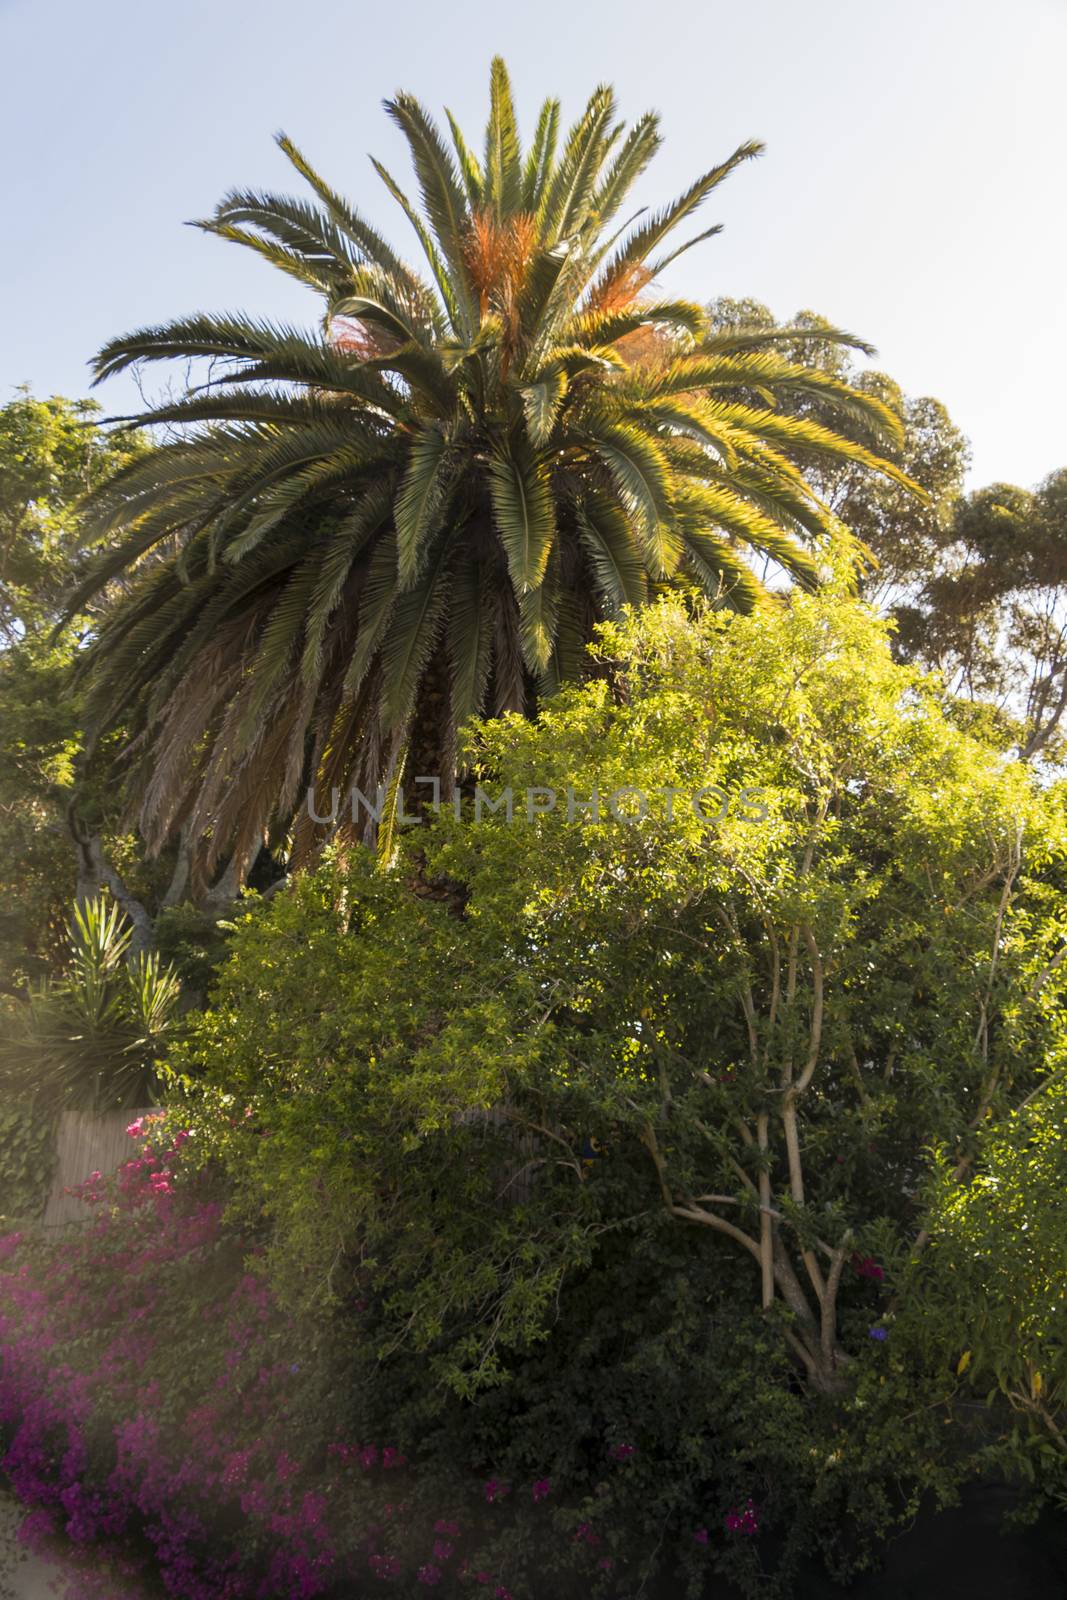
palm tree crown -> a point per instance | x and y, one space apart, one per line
361 535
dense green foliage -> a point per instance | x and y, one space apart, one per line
987 1296
50 455
779 1009
614 1124
27 1158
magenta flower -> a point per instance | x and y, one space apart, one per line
742 1519
496 1491
392 1458
541 1490
701 1536
442 1549
429 1575
622 1452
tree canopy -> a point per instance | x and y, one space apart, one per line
780 928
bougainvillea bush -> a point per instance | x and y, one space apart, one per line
170 1428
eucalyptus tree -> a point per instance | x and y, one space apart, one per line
357 537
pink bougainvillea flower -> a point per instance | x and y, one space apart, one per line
429 1575
495 1491
701 1536
541 1490
622 1452
742 1519
442 1549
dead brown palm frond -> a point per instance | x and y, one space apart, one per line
621 288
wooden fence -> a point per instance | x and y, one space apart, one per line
86 1142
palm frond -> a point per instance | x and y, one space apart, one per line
524 515
503 158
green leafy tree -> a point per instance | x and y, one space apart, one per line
51 455
744 1015
991 610
50 458
363 535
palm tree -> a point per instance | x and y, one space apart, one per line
358 537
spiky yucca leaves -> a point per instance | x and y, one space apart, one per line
419 511
92 1038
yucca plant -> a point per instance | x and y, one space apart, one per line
357 537
90 1038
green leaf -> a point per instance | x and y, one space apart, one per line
524 516
420 501
541 402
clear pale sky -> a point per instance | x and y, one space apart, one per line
913 187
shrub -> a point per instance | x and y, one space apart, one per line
985 1301
27 1159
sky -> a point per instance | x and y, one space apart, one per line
912 189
